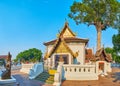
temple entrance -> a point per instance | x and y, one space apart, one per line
101 66
65 59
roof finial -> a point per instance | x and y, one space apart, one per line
66 22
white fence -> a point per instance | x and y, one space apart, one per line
79 68
80 72
75 72
36 70
26 68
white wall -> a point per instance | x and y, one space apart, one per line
75 47
80 72
49 48
80 48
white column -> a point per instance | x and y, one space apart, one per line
84 55
109 67
53 61
70 58
97 68
105 68
49 63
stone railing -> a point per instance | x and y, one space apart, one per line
80 72
58 75
79 68
26 68
75 72
36 70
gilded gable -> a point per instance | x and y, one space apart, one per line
61 48
67 33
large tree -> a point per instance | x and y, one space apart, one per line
31 55
100 13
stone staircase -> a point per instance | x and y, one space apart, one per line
50 80
45 77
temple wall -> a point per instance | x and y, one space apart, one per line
108 65
49 48
80 48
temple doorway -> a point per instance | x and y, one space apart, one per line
101 66
65 59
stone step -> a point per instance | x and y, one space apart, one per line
50 80
42 77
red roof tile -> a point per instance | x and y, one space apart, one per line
3 56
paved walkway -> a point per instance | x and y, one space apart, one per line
113 79
22 79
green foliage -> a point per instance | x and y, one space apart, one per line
116 42
31 55
112 51
107 12
100 13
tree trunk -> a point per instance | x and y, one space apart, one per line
98 37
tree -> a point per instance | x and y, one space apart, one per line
31 55
116 42
100 13
112 51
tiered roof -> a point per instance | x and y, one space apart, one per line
68 36
103 56
64 37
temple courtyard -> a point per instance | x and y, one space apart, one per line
112 79
68 61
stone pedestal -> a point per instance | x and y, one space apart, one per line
60 63
8 82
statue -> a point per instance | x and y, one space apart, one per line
7 73
61 59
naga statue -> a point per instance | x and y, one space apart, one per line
7 73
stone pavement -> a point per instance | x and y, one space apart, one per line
22 79
113 79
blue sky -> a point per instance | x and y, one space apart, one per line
28 24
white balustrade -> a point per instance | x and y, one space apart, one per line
80 72
36 70
26 68
79 68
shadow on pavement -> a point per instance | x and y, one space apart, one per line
116 76
24 81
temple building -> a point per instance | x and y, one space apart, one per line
79 61
67 46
